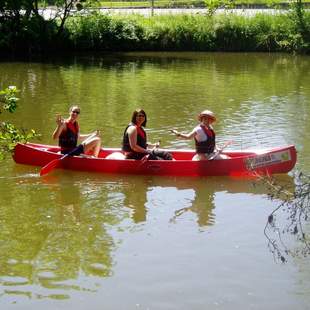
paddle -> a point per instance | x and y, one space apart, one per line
220 150
146 157
57 162
174 131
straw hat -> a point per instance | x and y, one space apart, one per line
207 113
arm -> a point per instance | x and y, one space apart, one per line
132 135
188 136
60 127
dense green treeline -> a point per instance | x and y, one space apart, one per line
31 34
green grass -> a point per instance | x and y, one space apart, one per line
185 32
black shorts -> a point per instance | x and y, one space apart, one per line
135 155
155 155
76 150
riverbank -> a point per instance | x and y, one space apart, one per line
262 32
99 32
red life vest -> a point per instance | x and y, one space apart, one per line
69 136
141 141
208 146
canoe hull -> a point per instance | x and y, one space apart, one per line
242 163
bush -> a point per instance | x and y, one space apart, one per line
99 32
28 35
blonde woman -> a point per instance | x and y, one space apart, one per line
68 133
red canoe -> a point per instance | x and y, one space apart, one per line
241 163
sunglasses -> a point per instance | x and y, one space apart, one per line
140 115
76 112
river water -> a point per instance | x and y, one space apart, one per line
75 240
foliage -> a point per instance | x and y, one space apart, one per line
184 32
90 30
9 134
22 28
101 32
8 99
300 20
64 10
213 5
295 204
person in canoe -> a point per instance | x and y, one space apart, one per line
135 145
204 136
68 133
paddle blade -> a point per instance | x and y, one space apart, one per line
50 166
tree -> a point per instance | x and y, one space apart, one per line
23 27
63 9
9 134
214 5
302 28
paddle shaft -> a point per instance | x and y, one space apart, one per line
55 163
146 157
221 150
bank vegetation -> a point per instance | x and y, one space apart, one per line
23 30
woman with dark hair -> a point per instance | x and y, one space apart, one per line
135 145
134 138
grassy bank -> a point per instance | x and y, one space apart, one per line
273 33
98 32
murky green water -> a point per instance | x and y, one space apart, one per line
76 240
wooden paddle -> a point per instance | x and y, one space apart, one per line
220 150
57 162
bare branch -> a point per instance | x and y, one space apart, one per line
296 203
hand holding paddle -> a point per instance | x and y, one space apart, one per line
57 162
219 151
146 157
175 132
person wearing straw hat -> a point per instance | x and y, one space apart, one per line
204 136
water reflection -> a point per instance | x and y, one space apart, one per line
178 196
53 244
60 229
